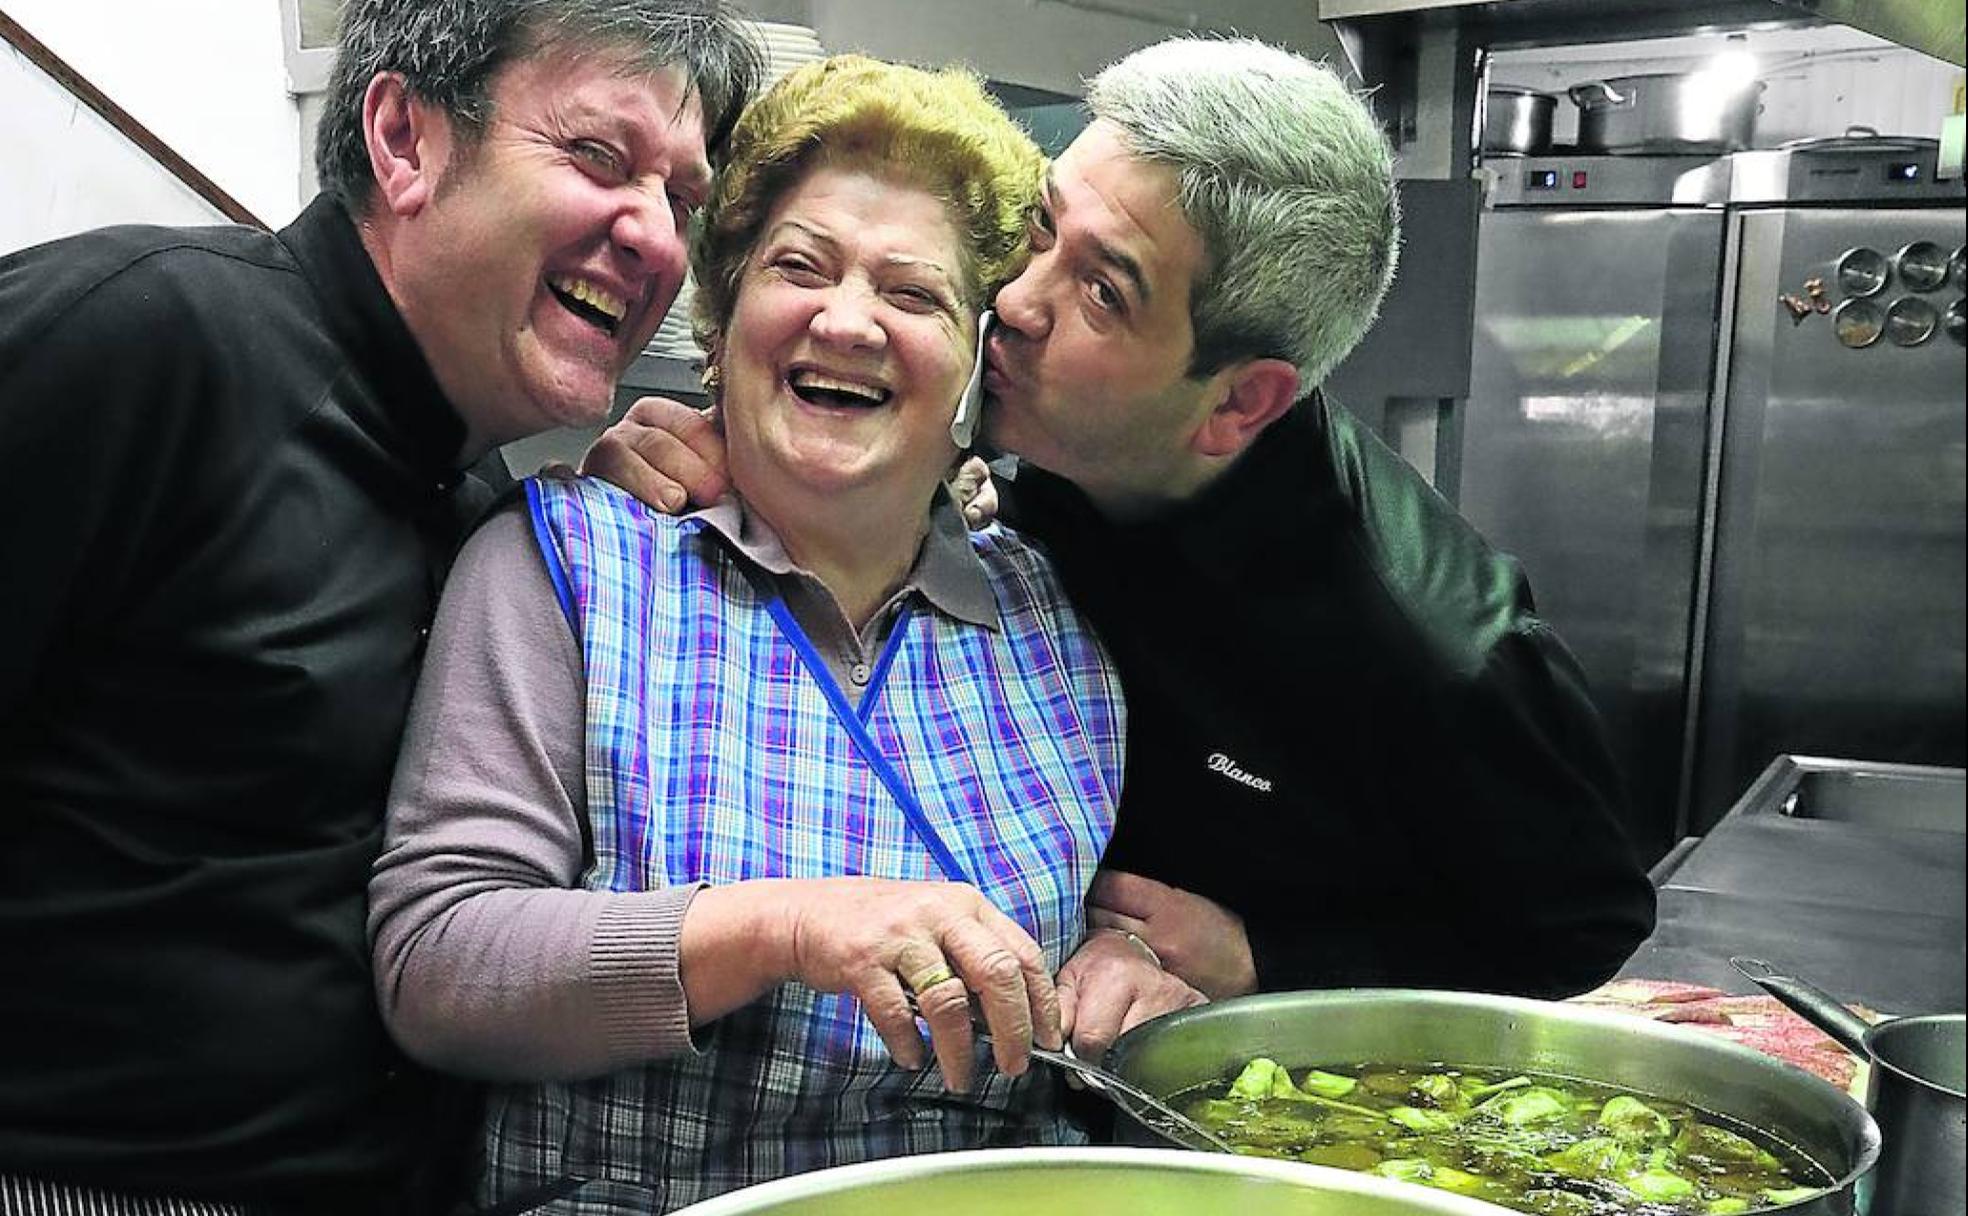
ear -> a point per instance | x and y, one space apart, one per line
408 144
1256 394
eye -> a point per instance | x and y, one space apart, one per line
1038 224
912 297
1104 297
601 160
795 267
683 206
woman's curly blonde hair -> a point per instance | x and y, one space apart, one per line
937 130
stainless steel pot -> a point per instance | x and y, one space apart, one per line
1401 1026
1673 112
1915 1091
1516 121
1076 1181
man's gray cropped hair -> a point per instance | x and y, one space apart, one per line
449 51
1288 180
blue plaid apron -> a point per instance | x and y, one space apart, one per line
713 756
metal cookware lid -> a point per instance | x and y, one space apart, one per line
1862 139
1518 90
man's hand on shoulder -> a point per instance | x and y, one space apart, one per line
975 492
1111 985
1197 938
665 453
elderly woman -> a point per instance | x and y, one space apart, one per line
690 808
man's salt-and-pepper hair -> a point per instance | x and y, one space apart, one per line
1287 178
449 51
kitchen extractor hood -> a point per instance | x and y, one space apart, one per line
1932 27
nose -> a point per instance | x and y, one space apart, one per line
1020 304
646 229
846 319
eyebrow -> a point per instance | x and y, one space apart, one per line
1113 255
802 226
930 264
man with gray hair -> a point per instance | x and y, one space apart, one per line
245 456
1356 756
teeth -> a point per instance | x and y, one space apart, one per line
598 298
833 384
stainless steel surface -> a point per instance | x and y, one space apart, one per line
1582 451
1914 1092
1851 872
1910 321
1933 27
1861 271
1870 170
1517 121
1858 323
1887 960
1573 179
1922 265
1349 1027
1916 1089
1667 112
1837 623
1079 1181
1923 798
1958 269
1955 321
1850 865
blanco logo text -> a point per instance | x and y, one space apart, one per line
1220 763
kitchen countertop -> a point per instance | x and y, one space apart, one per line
1872 914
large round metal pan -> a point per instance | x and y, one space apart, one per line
1347 1027
1079 1181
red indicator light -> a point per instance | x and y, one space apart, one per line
1578 179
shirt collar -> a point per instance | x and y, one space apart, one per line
407 402
1238 523
947 570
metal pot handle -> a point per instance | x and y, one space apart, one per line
1813 1003
1612 95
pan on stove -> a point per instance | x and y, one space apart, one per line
1349 1027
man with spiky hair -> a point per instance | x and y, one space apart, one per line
244 454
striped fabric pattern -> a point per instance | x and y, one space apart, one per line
31 1197
713 756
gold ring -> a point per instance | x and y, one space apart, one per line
939 974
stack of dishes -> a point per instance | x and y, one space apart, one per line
786 47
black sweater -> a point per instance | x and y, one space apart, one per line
1347 724
230 497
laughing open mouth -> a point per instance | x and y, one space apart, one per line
594 304
818 388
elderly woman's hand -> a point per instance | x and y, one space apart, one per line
876 939
665 453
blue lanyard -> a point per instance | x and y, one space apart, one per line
857 730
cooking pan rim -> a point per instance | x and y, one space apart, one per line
1864 1159
1879 1029
843 1179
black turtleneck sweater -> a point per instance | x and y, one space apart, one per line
1347 723
231 491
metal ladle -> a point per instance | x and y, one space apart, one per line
1153 1113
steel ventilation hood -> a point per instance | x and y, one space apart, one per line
1932 27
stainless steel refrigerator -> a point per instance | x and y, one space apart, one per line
1750 532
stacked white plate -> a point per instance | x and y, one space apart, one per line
786 47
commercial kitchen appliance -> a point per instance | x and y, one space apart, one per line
1748 530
